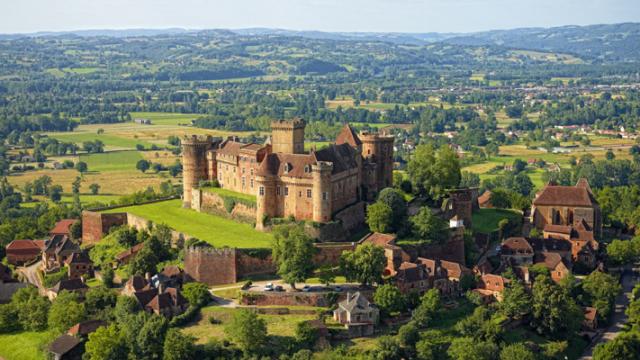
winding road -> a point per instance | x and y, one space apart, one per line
619 317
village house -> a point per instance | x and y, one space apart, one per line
161 300
70 345
394 254
63 227
557 266
491 287
73 285
124 257
20 252
412 277
516 251
358 315
79 264
57 250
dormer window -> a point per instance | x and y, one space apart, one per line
307 169
287 168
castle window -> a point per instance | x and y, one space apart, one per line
287 167
299 193
278 190
308 193
261 191
243 182
243 170
307 169
251 183
251 171
286 191
325 195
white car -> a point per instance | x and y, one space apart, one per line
306 288
268 287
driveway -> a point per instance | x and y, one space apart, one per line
619 318
30 274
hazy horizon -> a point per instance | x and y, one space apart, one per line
407 16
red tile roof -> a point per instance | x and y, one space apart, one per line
559 229
516 245
348 136
380 239
85 328
565 196
22 245
62 227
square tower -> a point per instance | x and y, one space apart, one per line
287 136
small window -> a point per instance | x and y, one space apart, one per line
243 182
299 193
278 190
325 195
286 191
261 190
251 171
308 193
287 167
307 169
251 183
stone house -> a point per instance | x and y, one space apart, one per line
79 264
57 250
517 251
74 285
161 300
357 314
491 286
568 206
20 252
557 266
412 277
63 227
394 254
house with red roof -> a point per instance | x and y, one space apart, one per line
20 252
63 227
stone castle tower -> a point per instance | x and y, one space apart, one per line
194 164
377 152
288 136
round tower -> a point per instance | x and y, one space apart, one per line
265 200
378 149
322 191
194 164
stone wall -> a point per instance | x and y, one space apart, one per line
95 225
212 203
451 250
318 299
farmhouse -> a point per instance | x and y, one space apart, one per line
286 180
357 314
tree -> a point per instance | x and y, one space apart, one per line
500 198
55 193
150 339
480 325
66 311
178 346
469 179
492 149
107 276
428 308
364 264
106 343
32 309
196 293
625 346
622 252
429 227
602 288
292 253
389 299
554 312
395 200
247 330
144 262
433 172
143 165
408 335
380 217
100 298
95 188
516 301
633 313
465 348
8 318
519 165
306 334
387 349
326 275
125 306
82 167
609 155
516 351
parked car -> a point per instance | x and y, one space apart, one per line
337 289
279 288
268 287
306 288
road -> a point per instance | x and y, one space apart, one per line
30 273
619 317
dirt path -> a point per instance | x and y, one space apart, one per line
619 317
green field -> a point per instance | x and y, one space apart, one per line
112 161
110 141
203 330
24 346
215 230
486 220
161 118
225 192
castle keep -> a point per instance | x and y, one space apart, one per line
286 180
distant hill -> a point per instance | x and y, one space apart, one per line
598 43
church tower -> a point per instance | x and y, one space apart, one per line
287 136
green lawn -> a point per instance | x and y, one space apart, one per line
112 161
110 141
215 230
163 118
486 220
24 345
203 330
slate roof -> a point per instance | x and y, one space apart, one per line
355 302
61 245
63 344
138 283
86 327
69 284
273 165
411 272
342 156
79 258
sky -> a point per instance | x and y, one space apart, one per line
22 16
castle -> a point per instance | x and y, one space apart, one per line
286 180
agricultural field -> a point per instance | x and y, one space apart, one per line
25 345
215 230
203 330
